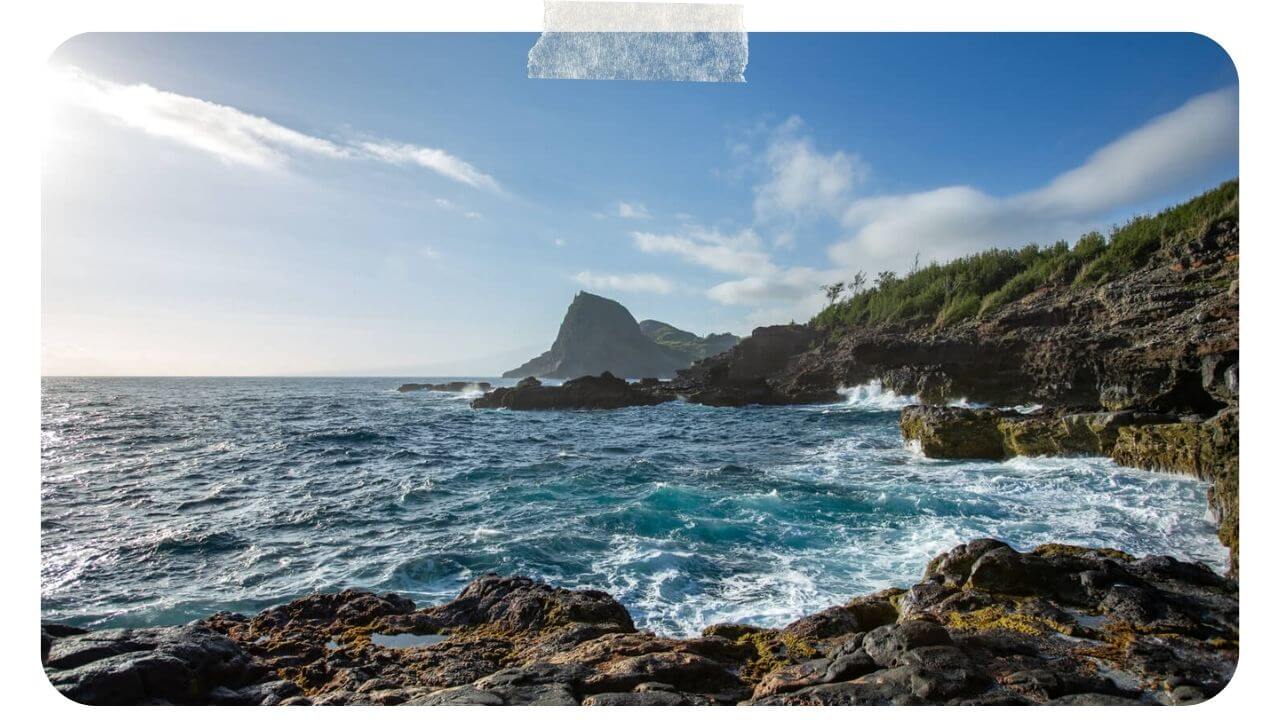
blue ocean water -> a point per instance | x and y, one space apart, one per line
164 500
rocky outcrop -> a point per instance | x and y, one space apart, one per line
1208 449
986 625
602 392
759 370
187 665
1163 338
452 386
599 335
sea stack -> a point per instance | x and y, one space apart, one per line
599 335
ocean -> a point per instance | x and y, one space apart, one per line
164 500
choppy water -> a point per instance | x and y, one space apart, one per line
164 500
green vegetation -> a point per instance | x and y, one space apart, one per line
686 343
970 287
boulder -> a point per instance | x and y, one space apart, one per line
181 665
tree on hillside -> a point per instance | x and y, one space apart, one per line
858 282
833 292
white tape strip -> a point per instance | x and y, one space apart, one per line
640 41
566 16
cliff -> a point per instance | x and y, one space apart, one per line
599 335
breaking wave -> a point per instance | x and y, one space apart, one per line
248 492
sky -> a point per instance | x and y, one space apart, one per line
240 204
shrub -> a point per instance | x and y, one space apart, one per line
968 287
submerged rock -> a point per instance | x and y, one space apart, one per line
986 625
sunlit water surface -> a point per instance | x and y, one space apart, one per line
164 500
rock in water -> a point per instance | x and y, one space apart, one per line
599 335
590 392
455 386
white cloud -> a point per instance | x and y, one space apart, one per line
802 181
472 215
794 284
432 159
886 231
738 254
632 211
237 137
559 242
626 283
231 135
1150 160
943 223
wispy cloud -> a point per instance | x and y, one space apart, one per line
237 137
447 204
432 159
735 254
626 283
631 211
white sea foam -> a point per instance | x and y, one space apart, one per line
759 515
874 396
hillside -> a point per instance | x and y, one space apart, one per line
975 287
600 335
687 344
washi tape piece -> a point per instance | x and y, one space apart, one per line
640 41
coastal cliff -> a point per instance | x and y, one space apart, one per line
987 624
1147 319
1130 343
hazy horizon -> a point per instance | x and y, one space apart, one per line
249 205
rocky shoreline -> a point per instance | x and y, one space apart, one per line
986 624
1142 368
1206 448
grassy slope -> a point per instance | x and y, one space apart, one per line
968 287
683 341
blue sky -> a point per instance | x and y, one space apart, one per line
413 204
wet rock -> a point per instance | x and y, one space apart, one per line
1208 449
186 664
644 698
757 371
1095 699
590 392
953 432
987 624
454 386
